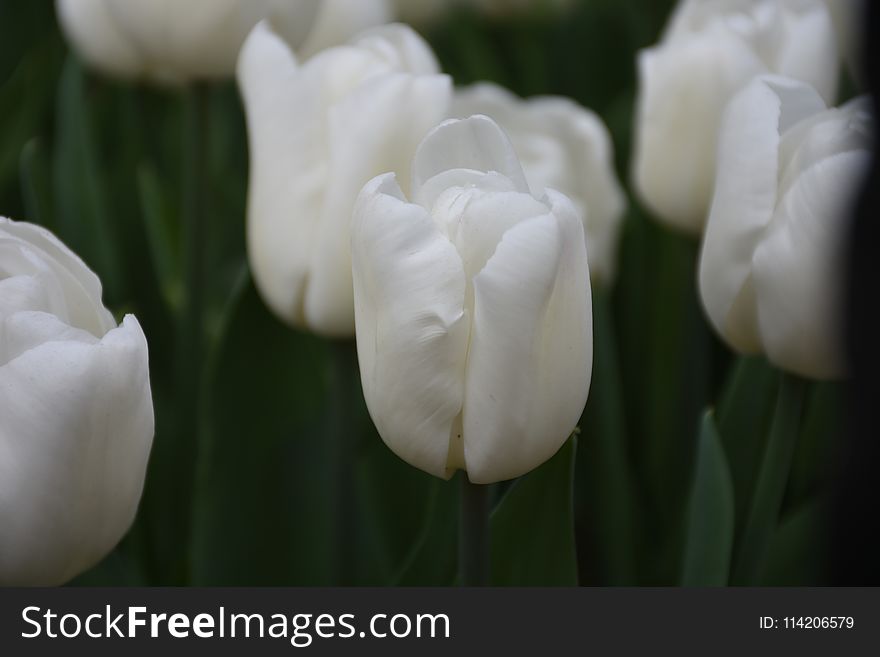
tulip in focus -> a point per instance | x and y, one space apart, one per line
771 270
565 147
473 309
318 131
710 50
177 41
76 415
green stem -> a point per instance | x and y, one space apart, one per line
473 537
342 434
766 503
191 327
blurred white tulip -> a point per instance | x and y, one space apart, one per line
174 41
565 147
76 414
709 50
473 308
771 267
318 132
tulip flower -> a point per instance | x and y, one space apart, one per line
473 309
709 50
76 415
771 269
318 132
175 41
563 146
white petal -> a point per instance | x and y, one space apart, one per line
339 20
808 49
401 48
287 170
530 355
74 290
75 433
411 328
91 29
475 143
374 130
683 90
798 268
745 198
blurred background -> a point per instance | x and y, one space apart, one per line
243 486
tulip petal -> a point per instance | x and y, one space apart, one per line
94 33
805 51
561 146
798 269
530 355
372 131
73 290
685 87
287 171
475 143
339 20
745 198
412 330
75 434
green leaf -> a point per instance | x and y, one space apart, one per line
743 419
798 552
605 494
432 560
35 183
710 529
80 192
262 514
532 528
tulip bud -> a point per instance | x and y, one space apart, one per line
318 132
176 41
473 310
711 49
771 269
565 147
76 415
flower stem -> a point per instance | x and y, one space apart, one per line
473 533
343 436
191 327
766 504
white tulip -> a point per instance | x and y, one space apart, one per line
318 132
565 147
711 49
474 320
176 41
771 267
76 415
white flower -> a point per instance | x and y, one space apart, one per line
174 41
565 147
771 269
474 321
710 49
318 132
76 415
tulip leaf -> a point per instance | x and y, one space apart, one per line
432 560
35 183
262 515
743 420
532 528
711 513
798 552
80 190
605 496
